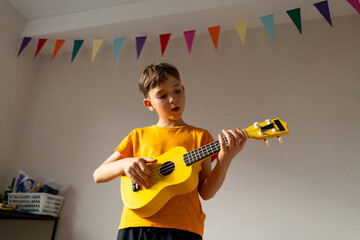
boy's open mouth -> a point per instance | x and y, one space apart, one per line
175 109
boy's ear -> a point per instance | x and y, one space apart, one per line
148 104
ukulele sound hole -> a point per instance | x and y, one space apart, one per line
167 168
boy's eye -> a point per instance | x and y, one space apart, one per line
162 96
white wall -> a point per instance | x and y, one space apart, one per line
306 188
16 78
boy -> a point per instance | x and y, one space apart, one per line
182 216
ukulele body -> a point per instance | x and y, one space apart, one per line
170 177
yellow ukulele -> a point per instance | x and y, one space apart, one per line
173 174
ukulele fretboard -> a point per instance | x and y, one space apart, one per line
203 152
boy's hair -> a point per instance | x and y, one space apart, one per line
155 74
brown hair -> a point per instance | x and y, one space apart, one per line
155 74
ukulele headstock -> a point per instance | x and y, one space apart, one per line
268 129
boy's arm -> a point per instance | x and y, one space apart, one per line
116 165
212 180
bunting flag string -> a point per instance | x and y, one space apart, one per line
96 46
214 32
323 8
295 16
118 42
140 41
77 46
268 22
355 4
57 47
164 40
241 30
41 43
189 38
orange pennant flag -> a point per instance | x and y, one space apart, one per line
214 33
58 45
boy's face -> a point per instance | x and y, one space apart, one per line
168 99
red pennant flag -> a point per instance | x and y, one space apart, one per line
41 43
58 45
164 39
214 33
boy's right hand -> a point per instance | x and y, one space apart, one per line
137 171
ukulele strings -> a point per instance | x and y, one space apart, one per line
179 160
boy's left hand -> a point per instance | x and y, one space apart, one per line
234 146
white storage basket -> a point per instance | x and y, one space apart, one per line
38 203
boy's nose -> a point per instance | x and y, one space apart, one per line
172 99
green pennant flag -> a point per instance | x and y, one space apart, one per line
295 16
77 46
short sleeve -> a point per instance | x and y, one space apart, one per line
125 147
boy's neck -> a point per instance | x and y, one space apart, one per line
170 124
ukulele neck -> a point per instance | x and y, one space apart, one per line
204 152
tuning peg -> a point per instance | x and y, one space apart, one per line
256 125
274 130
267 143
260 133
280 139
268 121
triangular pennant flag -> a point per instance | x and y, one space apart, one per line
41 43
323 8
77 46
214 33
58 45
24 43
96 46
189 37
268 22
140 41
118 42
164 40
295 16
355 4
241 30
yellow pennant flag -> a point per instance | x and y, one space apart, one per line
96 46
241 30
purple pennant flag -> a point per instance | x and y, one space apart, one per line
189 37
323 8
140 41
24 43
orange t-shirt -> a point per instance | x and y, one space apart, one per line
182 212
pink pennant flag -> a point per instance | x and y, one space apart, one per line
164 40
214 33
41 43
189 37
355 4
